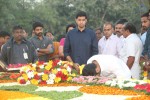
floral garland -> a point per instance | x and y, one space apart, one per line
47 73
90 79
124 84
143 87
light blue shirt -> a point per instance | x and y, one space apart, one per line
143 37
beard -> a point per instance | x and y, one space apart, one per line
39 34
145 28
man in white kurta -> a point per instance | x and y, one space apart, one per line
109 44
111 64
131 50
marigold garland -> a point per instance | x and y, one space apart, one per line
7 81
104 90
143 97
6 95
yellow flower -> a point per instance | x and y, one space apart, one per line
54 71
33 68
25 76
57 79
49 65
34 81
81 68
145 74
73 74
69 78
44 77
148 81
64 71
18 80
37 62
35 73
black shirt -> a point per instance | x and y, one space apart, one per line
80 45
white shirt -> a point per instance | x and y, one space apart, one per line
143 37
110 46
132 47
112 64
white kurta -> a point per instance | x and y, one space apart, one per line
110 46
132 47
112 64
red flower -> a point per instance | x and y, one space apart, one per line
139 87
37 77
148 90
46 72
55 63
64 77
43 82
14 76
40 63
59 74
22 81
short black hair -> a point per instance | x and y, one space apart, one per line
4 34
48 32
89 70
129 26
99 28
81 14
121 21
70 25
37 24
17 27
145 14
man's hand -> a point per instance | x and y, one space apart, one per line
76 66
147 65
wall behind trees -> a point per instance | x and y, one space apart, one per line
56 14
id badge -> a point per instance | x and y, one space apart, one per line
25 55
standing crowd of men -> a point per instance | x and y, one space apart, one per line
114 51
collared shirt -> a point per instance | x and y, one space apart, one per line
132 47
14 53
110 46
42 44
146 50
112 64
80 45
143 37
18 52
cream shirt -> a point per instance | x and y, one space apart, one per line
110 46
112 64
132 47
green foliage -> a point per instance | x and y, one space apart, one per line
56 14
25 88
50 94
59 95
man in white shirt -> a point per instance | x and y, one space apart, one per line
109 44
132 49
118 29
107 66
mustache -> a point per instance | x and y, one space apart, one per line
118 32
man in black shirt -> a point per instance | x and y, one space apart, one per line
81 42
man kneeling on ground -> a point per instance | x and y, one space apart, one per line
107 66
